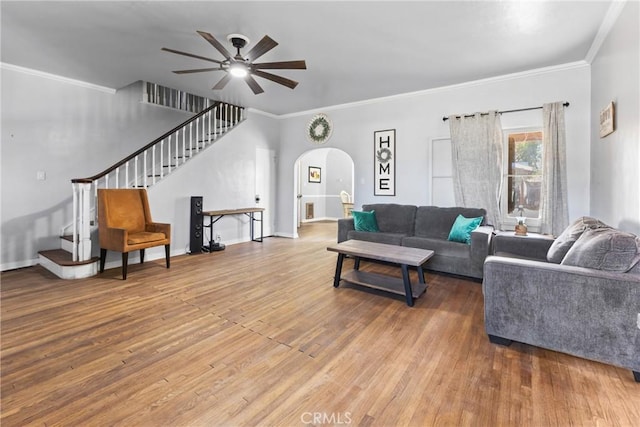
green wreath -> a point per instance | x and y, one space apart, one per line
383 155
319 129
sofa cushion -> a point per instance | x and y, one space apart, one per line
439 246
436 222
568 237
604 249
393 218
462 228
365 221
388 238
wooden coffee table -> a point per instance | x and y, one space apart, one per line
400 255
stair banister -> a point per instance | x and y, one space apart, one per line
84 200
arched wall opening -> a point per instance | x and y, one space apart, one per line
320 175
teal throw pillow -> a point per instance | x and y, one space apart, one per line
462 228
365 221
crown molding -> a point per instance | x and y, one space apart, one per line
505 77
615 8
24 70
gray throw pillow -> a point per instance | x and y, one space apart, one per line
568 237
605 249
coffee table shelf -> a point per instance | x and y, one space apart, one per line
382 282
403 256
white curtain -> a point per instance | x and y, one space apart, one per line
476 151
554 216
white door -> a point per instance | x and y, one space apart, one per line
265 187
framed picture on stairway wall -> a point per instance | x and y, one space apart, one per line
607 118
315 174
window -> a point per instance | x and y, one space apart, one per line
523 177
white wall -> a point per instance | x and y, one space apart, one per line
417 119
70 131
615 159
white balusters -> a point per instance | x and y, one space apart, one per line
135 171
144 169
153 165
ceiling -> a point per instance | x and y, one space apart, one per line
354 51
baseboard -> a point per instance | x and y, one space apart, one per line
19 264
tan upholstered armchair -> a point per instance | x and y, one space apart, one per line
125 225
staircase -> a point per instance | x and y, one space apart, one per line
142 169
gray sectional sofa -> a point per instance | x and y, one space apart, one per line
578 294
426 227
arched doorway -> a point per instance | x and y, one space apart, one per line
320 175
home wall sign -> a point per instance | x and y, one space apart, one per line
607 116
384 160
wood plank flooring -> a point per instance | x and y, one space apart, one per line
256 335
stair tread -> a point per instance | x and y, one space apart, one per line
64 258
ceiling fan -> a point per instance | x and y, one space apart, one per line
243 65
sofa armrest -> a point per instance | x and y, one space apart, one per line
532 246
581 311
344 226
481 243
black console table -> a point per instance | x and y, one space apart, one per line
215 216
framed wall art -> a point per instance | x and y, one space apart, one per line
607 116
384 160
315 174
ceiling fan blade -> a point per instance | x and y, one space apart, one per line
291 84
215 43
222 82
253 84
262 47
191 55
282 65
198 70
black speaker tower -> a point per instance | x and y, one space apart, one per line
197 222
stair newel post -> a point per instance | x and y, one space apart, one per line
74 224
83 204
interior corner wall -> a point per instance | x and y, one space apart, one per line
68 131
615 158
417 118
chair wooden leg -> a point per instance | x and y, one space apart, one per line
125 260
103 258
141 256
167 251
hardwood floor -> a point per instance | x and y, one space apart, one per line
257 335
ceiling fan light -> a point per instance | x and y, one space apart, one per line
238 70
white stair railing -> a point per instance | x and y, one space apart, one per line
156 160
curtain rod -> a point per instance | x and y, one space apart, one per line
444 119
